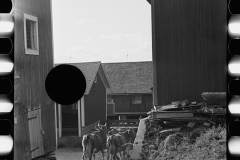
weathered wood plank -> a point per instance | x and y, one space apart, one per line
190 7
169 114
171 57
21 134
48 123
130 113
35 128
41 131
197 49
178 89
155 84
123 123
17 95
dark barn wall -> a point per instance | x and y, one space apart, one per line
123 103
189 48
95 103
33 69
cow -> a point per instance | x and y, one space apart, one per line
114 145
94 142
122 130
116 130
120 142
129 135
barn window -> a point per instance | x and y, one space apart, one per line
31 34
109 99
137 99
95 80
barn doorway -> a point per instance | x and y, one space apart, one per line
70 120
69 123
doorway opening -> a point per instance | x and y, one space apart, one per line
70 120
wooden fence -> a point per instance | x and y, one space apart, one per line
133 123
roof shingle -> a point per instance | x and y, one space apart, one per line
129 77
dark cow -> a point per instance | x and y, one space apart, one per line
120 142
119 130
116 130
115 146
129 135
94 142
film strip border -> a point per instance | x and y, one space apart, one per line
6 78
233 58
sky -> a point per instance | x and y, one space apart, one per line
101 30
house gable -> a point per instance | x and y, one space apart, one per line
95 102
104 79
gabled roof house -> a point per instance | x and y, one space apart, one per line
76 118
131 84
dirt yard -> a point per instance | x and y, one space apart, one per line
67 153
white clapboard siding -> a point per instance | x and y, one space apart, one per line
35 133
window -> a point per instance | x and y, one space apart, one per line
137 99
95 80
109 99
31 34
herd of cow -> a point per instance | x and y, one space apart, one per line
114 141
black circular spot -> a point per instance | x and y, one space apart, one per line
233 6
65 84
234 87
5 6
233 47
